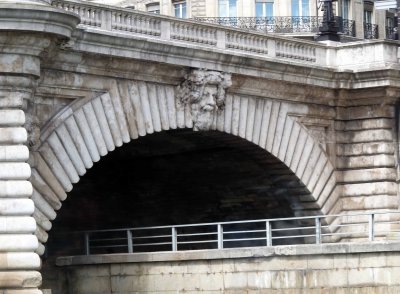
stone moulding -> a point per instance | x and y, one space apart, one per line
204 92
37 18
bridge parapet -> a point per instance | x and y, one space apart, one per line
135 23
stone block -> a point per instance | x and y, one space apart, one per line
393 259
371 260
365 148
367 175
361 277
320 262
89 285
208 282
16 207
19 260
14 153
370 202
340 261
167 283
365 161
385 276
26 291
9 242
283 262
134 269
123 284
12 117
326 278
15 189
228 266
365 136
259 280
374 123
93 271
235 280
203 267
13 135
17 224
164 268
14 171
377 188
20 279
287 279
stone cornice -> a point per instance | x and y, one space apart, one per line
256 252
117 45
37 18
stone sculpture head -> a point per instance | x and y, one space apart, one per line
204 91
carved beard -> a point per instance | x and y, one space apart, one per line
203 117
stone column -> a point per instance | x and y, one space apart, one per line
27 31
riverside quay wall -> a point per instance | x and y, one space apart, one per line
330 269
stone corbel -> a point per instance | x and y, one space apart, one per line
204 92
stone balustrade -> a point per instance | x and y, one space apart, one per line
136 23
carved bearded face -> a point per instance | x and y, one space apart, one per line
206 108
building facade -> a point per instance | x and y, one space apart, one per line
361 19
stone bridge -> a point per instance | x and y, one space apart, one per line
78 80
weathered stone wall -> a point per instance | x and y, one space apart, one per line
366 160
333 269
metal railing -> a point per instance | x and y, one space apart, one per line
280 24
371 31
391 33
266 232
346 26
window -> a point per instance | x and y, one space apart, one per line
227 8
154 7
180 9
368 8
344 9
300 8
264 8
367 16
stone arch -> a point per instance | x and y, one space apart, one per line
90 128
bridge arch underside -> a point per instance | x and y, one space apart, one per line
278 164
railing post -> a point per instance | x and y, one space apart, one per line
220 237
271 44
106 22
268 233
174 239
221 39
87 245
130 243
371 233
165 30
317 230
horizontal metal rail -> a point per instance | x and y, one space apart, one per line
320 229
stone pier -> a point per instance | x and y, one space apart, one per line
28 32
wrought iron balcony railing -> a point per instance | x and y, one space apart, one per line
370 31
280 24
391 33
